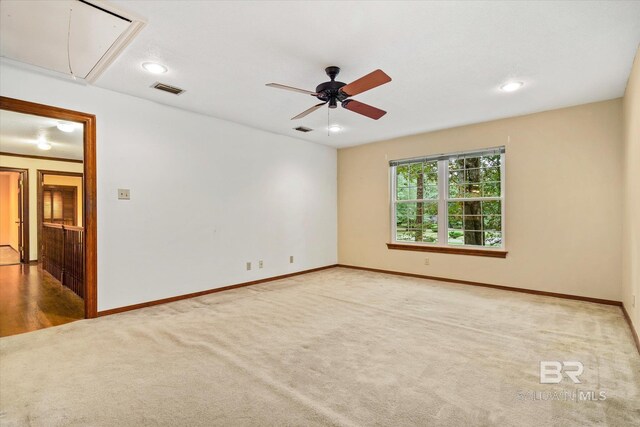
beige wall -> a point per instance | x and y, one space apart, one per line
5 228
70 181
9 209
563 198
33 165
13 210
631 226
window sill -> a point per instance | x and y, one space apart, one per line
493 253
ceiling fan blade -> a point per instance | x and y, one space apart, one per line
364 109
293 89
371 80
309 111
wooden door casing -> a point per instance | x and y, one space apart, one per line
90 220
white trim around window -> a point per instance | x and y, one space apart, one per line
470 199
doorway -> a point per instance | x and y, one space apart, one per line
14 216
78 214
60 200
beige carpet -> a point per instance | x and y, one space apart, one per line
337 347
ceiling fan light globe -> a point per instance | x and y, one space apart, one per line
511 86
65 127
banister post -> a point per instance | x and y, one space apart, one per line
64 250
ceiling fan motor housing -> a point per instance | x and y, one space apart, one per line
330 91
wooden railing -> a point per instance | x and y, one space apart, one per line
63 255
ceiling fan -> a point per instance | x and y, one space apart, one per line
332 92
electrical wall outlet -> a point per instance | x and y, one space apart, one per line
248 266
426 261
124 194
260 264
290 259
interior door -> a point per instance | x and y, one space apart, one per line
20 221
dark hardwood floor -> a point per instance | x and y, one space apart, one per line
31 299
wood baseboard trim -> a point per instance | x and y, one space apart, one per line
208 291
488 285
634 333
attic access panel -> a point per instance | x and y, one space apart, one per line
65 36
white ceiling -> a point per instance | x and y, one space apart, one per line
446 59
20 134
65 36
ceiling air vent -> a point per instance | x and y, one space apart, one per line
167 88
303 129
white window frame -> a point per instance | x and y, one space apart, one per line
443 200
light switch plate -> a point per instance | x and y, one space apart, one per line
124 194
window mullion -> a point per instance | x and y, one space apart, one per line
393 207
443 193
502 199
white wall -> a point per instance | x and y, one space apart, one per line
207 195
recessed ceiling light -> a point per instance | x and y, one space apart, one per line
334 128
154 67
511 86
44 145
65 127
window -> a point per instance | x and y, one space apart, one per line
449 200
